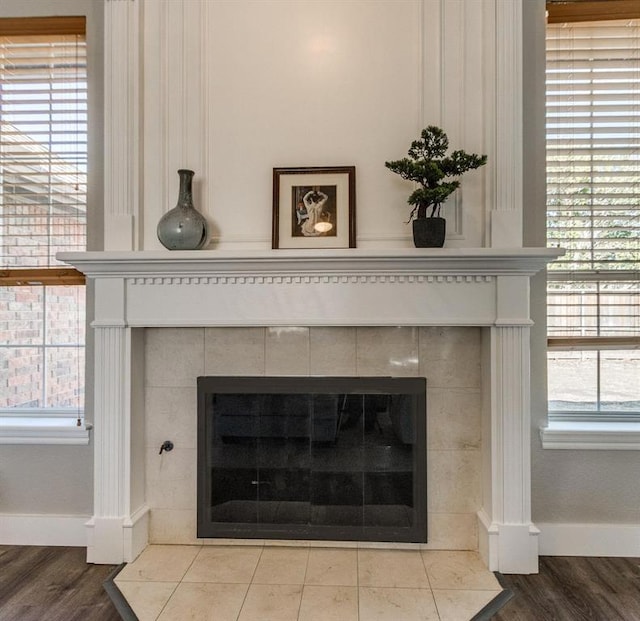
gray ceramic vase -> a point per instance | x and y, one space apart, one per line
183 227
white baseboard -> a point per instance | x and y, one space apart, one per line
43 530
589 539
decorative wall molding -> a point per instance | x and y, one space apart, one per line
452 89
372 279
122 111
507 124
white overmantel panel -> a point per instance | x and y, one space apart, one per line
198 83
473 287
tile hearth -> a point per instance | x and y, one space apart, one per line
281 583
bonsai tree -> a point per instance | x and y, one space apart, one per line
428 166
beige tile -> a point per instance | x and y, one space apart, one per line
172 526
453 531
387 604
458 570
329 603
230 564
171 479
147 599
205 602
332 351
174 356
271 602
450 357
332 567
387 351
391 568
234 351
282 566
171 466
160 563
453 418
171 414
287 351
453 481
461 605
178 494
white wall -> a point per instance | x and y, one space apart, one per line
59 479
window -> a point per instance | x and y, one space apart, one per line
43 181
593 210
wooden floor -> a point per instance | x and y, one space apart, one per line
575 589
52 584
56 584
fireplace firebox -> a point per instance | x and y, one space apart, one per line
319 458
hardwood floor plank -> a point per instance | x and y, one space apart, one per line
55 584
576 589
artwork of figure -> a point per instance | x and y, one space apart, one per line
315 211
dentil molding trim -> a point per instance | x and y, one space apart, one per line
305 280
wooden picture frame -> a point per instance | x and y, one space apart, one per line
314 207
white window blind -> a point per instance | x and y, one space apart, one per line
43 148
43 188
593 211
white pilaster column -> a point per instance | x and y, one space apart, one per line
118 529
506 213
110 537
508 539
121 124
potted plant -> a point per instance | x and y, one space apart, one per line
429 167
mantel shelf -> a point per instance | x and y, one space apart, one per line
444 261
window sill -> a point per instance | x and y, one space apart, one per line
30 430
604 436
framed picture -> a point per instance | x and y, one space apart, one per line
314 207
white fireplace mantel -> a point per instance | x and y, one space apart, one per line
475 287
412 287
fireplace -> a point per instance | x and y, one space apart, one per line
424 292
325 458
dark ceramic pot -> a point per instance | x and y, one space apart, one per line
183 228
429 232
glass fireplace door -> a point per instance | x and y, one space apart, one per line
312 458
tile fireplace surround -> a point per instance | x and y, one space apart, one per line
427 294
